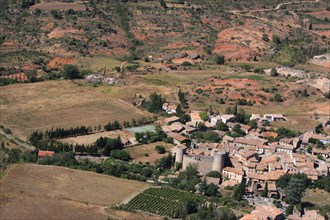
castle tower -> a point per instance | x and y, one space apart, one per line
179 151
218 161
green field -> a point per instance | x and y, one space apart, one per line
99 63
163 201
180 77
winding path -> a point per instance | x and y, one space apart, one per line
18 142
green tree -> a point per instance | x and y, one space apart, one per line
323 183
222 126
285 133
212 190
164 162
265 191
215 174
276 40
319 129
202 187
120 155
211 136
239 191
160 149
71 72
204 116
163 3
228 110
37 11
294 190
304 93
310 27
180 113
278 98
289 210
220 59
155 104
117 69
182 98
56 14
252 124
265 38
237 129
186 63
273 72
234 110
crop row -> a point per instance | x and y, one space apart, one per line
156 205
173 194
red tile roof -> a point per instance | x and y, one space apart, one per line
44 153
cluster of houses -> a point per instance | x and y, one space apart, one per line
251 157
271 212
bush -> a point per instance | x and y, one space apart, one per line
259 70
56 14
132 67
289 56
289 210
265 38
219 59
120 155
71 72
246 67
214 174
186 63
160 149
273 72
278 98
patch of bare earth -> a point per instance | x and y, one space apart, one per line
54 5
239 43
58 62
57 33
91 138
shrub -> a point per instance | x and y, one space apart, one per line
71 72
160 149
273 72
120 155
278 98
219 59
186 63
214 174
265 38
289 210
289 56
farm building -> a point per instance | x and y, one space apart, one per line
45 153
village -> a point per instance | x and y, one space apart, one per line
252 157
254 153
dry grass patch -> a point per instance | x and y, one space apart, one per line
31 191
317 197
40 106
138 153
91 138
297 123
48 6
10 145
